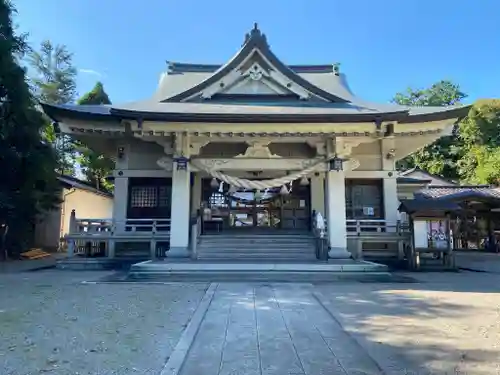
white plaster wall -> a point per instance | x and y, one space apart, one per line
87 205
369 156
55 223
144 155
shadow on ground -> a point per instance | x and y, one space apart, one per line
441 324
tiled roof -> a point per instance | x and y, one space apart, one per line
412 181
427 205
461 192
80 184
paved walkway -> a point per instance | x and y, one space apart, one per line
273 329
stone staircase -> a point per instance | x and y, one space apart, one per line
257 247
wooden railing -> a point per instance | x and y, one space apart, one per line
106 226
370 232
358 227
97 237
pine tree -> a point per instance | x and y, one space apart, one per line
28 185
95 166
54 82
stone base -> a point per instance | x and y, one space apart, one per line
339 253
178 252
93 264
189 270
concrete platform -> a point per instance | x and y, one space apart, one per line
93 264
254 271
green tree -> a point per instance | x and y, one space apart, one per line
440 157
28 185
479 133
95 166
54 82
95 96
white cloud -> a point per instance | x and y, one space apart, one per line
90 71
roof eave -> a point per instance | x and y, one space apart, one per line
256 118
56 113
453 113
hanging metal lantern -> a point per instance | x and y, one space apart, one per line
304 181
336 164
182 163
214 184
284 190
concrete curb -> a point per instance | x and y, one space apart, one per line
181 351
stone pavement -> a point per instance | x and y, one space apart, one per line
445 323
273 329
478 261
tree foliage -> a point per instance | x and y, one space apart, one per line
28 185
479 133
95 96
440 157
96 167
54 82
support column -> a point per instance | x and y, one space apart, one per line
120 203
196 194
390 186
336 215
391 201
318 194
180 215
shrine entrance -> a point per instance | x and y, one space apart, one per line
259 210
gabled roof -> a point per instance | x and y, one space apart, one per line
408 172
73 182
412 181
306 94
256 43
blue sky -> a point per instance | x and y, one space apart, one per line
383 46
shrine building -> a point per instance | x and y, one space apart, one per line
253 145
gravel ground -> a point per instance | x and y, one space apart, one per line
448 323
52 323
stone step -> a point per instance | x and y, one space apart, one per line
222 237
256 256
257 241
305 250
296 277
244 247
252 271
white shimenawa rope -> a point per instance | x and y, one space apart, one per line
257 184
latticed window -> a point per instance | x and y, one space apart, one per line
164 196
217 200
364 199
143 196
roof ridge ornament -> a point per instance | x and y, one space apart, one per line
255 33
336 68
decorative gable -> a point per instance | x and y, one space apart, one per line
255 70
